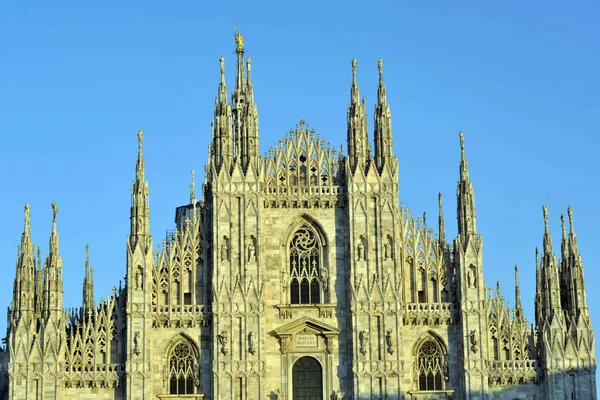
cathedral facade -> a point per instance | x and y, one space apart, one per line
298 275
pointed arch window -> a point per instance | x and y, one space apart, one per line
431 366
181 369
305 252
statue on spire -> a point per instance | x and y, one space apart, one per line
140 138
462 140
54 211
239 40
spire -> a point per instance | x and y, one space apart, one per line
250 88
547 237
518 306
88 283
564 248
358 140
222 94
441 220
192 190
222 131
551 301
465 196
245 112
578 293
574 247
538 288
383 125
240 78
24 283
140 208
52 273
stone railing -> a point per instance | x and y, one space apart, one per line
512 372
180 316
302 196
94 375
429 313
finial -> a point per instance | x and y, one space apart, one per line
354 65
54 212
87 252
380 66
249 64
440 201
140 135
562 225
192 190
570 212
545 213
27 216
517 273
462 140
222 62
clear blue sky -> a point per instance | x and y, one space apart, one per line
78 79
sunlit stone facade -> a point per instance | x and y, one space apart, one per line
297 275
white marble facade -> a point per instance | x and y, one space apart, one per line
297 275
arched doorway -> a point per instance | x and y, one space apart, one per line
307 379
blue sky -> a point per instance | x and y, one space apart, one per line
78 79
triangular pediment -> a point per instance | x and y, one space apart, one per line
309 325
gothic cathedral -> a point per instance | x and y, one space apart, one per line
298 275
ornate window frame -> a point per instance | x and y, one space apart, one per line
181 344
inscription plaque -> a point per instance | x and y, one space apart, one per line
306 341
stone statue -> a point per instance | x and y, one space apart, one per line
386 249
360 250
251 250
363 337
251 348
196 375
325 278
474 341
223 339
389 340
338 394
136 339
138 279
224 250
54 211
239 40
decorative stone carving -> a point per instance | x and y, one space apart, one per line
474 341
360 249
225 249
390 341
338 394
223 341
363 337
252 249
251 348
136 339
